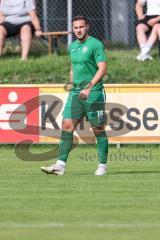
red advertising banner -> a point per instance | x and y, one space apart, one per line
19 114
34 113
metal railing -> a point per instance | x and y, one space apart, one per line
111 21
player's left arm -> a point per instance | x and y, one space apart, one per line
102 70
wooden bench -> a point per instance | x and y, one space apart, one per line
55 35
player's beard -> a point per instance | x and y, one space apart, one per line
84 37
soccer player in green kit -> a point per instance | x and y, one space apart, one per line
86 97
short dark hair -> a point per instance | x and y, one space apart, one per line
79 17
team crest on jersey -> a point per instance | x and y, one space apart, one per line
84 49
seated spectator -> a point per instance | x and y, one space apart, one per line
146 24
18 17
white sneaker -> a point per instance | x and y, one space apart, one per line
101 170
141 57
56 169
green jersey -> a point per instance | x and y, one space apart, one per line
84 59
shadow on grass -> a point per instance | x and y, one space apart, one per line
136 172
87 173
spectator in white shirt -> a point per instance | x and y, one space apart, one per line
18 17
147 23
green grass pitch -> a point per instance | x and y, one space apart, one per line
124 204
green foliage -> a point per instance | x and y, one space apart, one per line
124 68
42 68
38 69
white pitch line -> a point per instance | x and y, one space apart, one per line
125 225
31 225
84 224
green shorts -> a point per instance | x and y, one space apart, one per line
93 108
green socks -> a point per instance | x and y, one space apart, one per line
102 144
65 145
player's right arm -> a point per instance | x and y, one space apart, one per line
71 75
70 83
139 9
